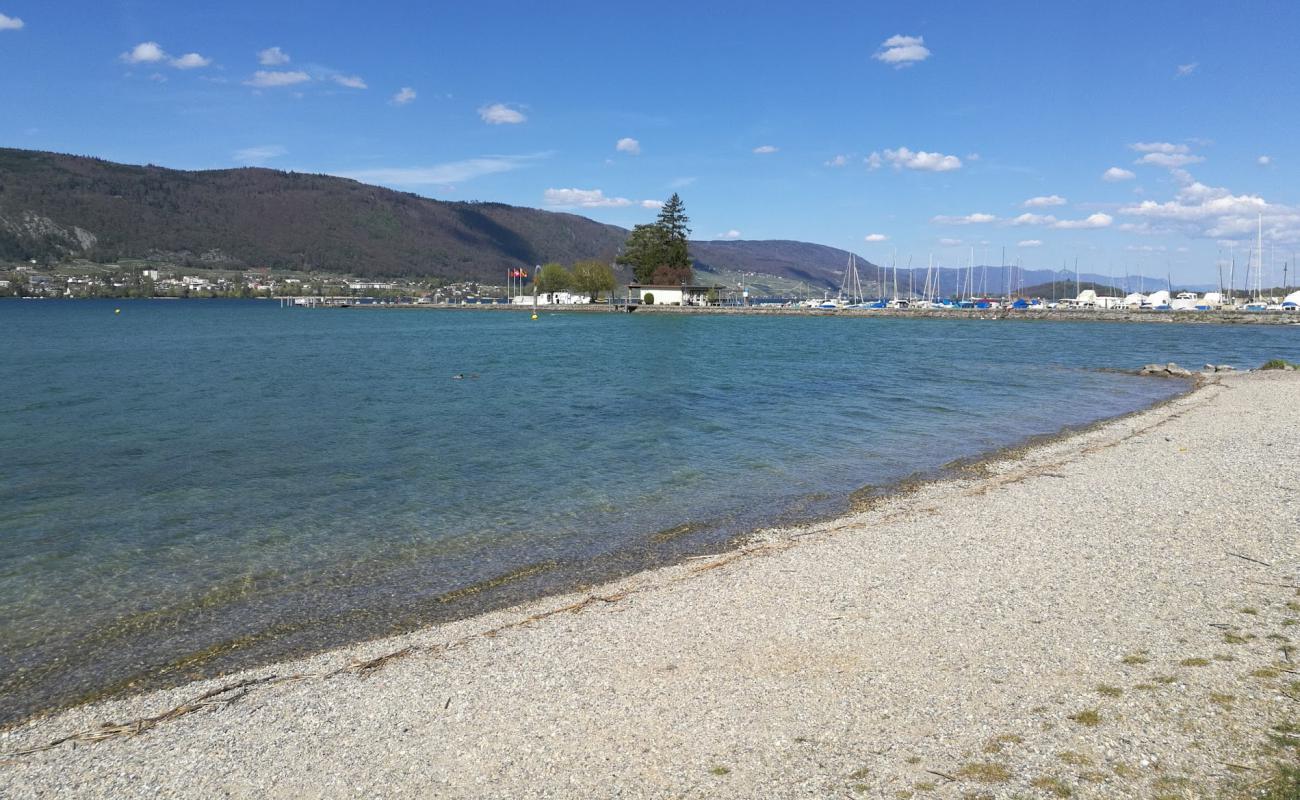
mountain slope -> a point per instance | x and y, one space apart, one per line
56 206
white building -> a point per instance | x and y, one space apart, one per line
551 299
670 295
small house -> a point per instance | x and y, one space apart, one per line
673 295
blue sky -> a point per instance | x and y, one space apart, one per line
933 125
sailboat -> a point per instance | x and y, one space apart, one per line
1258 304
850 289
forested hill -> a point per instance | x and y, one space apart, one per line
56 206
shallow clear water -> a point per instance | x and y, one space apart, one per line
190 486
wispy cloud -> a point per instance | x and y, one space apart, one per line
259 155
349 81
628 145
1029 243
1098 220
1116 174
766 149
272 57
902 51
1159 147
445 174
875 237
947 242
501 114
969 219
730 235
10 23
682 182
653 204
905 158
1045 201
1032 219
1264 161
1169 160
405 95
583 198
1185 69
840 160
270 79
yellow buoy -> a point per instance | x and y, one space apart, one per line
117 311
534 316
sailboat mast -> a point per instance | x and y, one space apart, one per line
1259 272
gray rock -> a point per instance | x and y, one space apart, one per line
1177 371
1225 368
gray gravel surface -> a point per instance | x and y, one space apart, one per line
1089 615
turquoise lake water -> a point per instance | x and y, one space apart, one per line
187 487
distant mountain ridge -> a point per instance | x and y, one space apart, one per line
55 206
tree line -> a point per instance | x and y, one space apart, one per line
586 277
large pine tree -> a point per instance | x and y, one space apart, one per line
659 252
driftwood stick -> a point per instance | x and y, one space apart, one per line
1248 558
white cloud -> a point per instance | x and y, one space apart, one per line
902 51
272 57
10 23
766 149
973 156
653 204
875 237
350 81
681 183
1115 174
1170 160
1029 243
838 161
969 219
1186 69
1032 219
269 79
731 234
628 145
404 96
1098 220
144 53
501 114
445 174
583 198
152 53
256 156
1159 147
190 61
1045 201
920 159
1145 248
950 242
1264 161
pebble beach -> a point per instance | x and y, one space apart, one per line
1107 614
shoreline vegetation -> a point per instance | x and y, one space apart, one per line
1105 613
